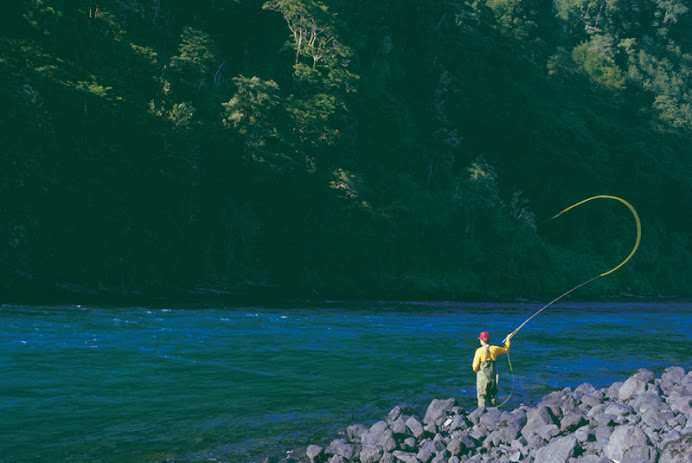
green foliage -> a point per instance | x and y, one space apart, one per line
392 149
596 57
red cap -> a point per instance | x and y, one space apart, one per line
484 335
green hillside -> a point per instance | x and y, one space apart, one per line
410 148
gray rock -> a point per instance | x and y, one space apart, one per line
314 452
643 453
427 451
379 434
475 415
415 427
342 448
558 451
645 401
456 447
491 418
673 375
469 441
572 422
337 459
459 422
681 403
437 410
644 375
441 457
454 460
590 401
548 431
371 454
406 457
397 412
618 409
409 443
631 388
582 390
677 451
591 458
624 438
585 434
355 432
398 426
504 435
613 391
387 458
541 416
603 433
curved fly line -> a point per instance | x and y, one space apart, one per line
634 249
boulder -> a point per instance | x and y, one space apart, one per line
437 411
571 422
398 426
632 387
415 427
618 409
558 451
355 432
314 453
491 418
371 454
677 451
641 453
541 416
622 439
646 401
441 457
406 457
342 448
379 434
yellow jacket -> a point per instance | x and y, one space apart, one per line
494 352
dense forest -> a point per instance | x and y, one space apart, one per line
408 148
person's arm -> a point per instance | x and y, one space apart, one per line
477 360
501 350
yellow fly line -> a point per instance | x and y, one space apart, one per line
636 246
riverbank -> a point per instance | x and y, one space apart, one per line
642 419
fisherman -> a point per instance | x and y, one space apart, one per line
486 371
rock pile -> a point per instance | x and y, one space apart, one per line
643 420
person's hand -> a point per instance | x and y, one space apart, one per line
508 337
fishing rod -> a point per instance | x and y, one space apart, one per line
636 246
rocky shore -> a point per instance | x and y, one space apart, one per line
641 420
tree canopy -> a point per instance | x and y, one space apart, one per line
343 148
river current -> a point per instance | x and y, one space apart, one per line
200 382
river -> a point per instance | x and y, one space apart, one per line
204 382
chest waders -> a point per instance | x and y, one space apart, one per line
486 381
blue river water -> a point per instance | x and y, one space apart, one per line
200 382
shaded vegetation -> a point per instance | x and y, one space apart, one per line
344 148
